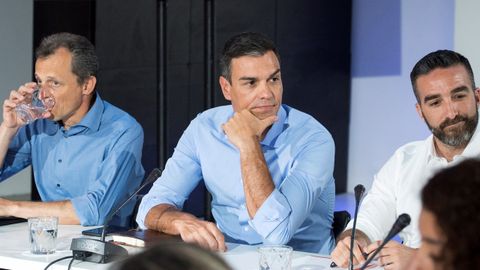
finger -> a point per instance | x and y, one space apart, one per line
208 237
9 104
46 114
195 238
342 256
268 121
16 96
358 254
372 247
218 235
27 88
384 259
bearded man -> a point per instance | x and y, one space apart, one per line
447 99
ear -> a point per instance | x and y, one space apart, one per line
476 92
226 87
419 110
89 85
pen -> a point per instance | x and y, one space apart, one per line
365 256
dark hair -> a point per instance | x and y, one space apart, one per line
438 59
174 255
248 43
84 59
452 195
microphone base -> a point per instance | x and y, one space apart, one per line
96 251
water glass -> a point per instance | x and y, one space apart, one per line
275 257
43 234
35 106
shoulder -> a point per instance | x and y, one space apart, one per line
118 120
304 125
213 118
405 158
410 150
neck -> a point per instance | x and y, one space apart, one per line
447 151
78 115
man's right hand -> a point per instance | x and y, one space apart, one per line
10 119
341 253
166 218
203 233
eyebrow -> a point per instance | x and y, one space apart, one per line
255 78
274 74
454 91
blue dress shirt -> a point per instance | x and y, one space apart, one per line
299 153
95 164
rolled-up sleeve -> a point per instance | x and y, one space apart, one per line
18 155
181 175
287 207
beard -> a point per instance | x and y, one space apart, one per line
457 137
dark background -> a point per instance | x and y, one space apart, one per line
158 61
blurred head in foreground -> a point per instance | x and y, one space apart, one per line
174 256
449 221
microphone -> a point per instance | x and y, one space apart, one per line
359 191
99 251
402 221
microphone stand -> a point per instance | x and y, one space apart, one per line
359 191
99 251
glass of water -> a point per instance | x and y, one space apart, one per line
275 257
35 105
43 234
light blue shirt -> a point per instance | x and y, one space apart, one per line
95 164
299 153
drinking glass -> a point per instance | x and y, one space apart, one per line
275 257
35 105
43 234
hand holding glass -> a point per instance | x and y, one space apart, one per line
35 105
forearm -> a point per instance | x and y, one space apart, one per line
257 181
164 217
6 136
64 210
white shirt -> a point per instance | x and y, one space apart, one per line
397 188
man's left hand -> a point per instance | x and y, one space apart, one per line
393 255
244 128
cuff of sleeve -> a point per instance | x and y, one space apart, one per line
84 211
148 202
273 211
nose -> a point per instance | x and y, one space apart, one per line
451 109
265 91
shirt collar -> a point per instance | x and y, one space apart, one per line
91 121
276 129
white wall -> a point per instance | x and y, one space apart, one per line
16 33
467 33
383 115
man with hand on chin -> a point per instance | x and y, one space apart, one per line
447 100
268 166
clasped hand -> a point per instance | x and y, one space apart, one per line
393 255
203 233
244 128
